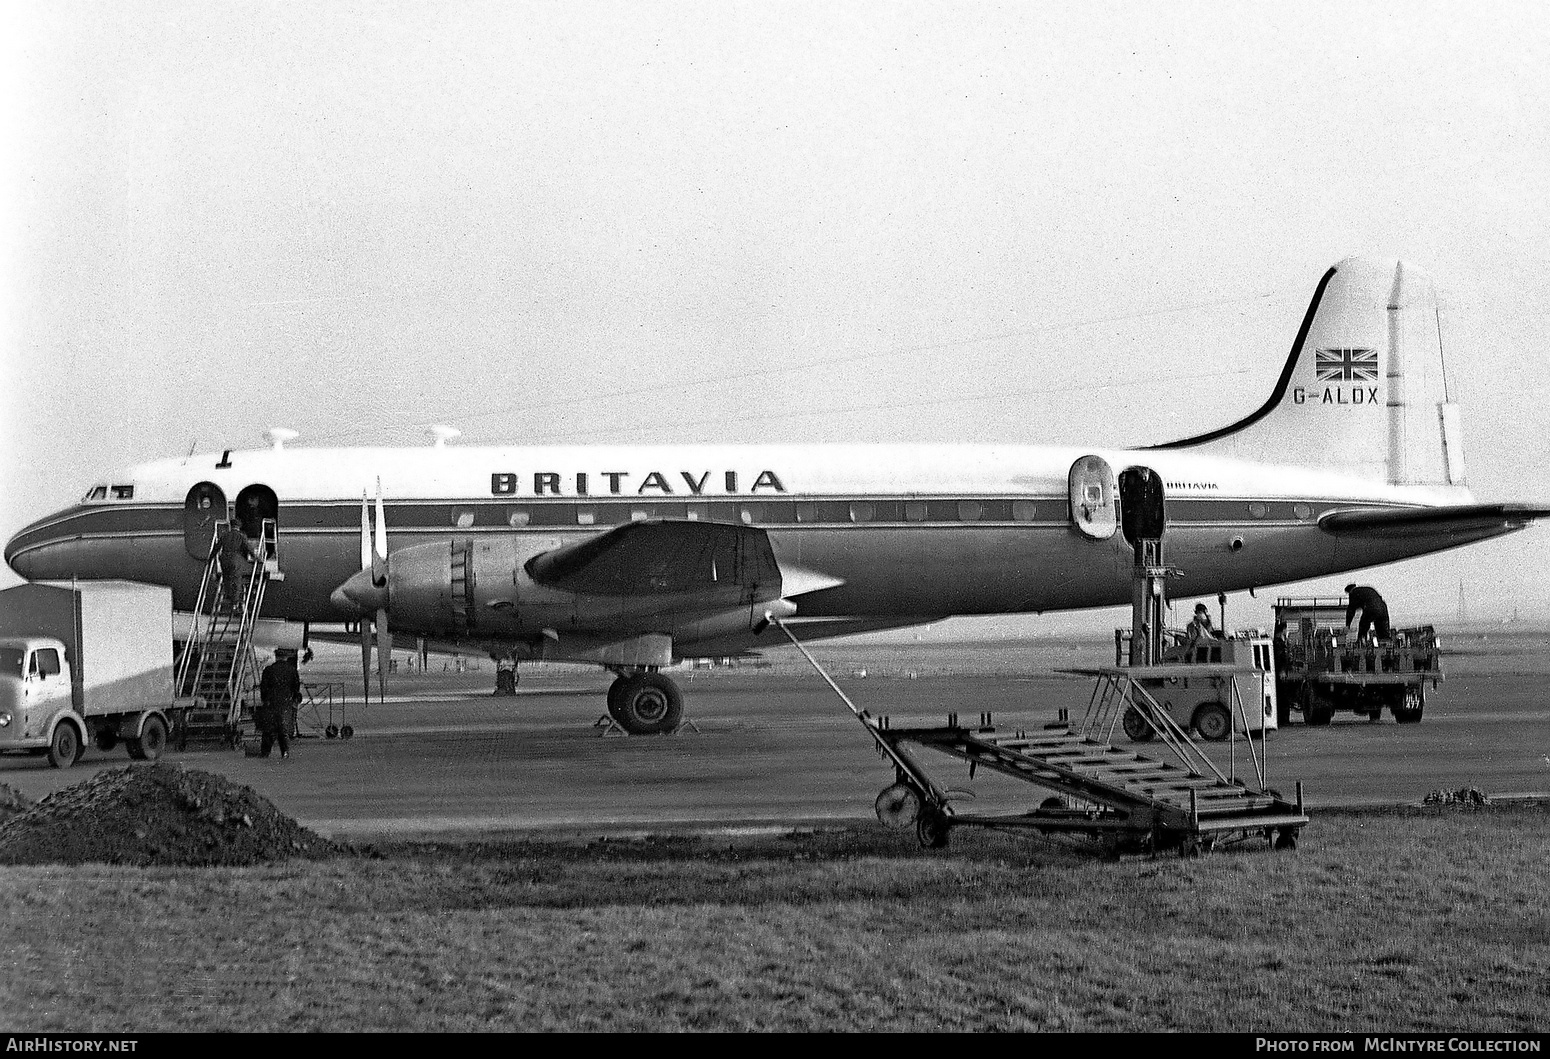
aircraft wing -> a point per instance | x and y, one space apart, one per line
1428 521
656 557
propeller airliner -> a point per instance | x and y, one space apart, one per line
632 558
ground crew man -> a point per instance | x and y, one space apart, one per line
233 553
279 691
1374 612
1200 627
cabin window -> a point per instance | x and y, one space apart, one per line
462 518
806 511
1024 510
862 511
517 518
45 662
1302 511
586 516
749 514
970 510
697 512
639 514
915 510
1258 510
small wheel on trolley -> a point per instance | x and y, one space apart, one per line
898 806
331 732
347 732
933 829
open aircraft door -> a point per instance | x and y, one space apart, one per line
204 506
1092 492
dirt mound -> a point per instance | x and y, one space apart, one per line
1467 796
12 802
156 814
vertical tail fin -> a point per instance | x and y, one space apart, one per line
1363 390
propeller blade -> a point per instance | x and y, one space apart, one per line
379 546
384 653
365 661
365 533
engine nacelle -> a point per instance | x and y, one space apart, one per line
484 589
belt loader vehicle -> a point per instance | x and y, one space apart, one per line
86 661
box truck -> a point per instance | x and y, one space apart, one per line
86 661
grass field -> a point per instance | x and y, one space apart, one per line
1404 920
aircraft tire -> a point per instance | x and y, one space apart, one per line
65 745
649 704
1135 725
1212 721
614 690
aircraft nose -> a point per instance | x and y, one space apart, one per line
21 551
360 594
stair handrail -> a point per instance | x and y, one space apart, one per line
186 660
1176 739
242 651
1243 715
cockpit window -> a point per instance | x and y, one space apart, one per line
98 493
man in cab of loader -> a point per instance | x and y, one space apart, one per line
1364 600
1200 627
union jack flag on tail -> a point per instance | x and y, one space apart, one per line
1346 365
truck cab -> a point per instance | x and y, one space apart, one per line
35 692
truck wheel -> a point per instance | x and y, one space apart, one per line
152 741
1135 725
1212 721
1409 708
1316 710
65 746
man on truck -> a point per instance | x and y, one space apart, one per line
1365 601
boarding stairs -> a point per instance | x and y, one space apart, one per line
1094 788
218 667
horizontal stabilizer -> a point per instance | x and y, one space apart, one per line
1389 522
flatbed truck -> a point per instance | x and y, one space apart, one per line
1320 671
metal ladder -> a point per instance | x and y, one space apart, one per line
218 667
1101 790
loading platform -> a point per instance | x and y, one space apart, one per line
1090 787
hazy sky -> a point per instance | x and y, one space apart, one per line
769 221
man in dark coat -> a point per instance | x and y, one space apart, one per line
279 691
233 553
1374 612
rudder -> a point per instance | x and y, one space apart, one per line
1363 389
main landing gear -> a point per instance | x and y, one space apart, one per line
645 703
